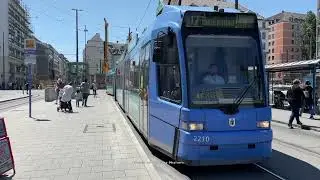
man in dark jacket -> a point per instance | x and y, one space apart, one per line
295 96
308 93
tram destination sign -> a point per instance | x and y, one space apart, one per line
219 20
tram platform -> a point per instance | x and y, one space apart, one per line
94 142
282 116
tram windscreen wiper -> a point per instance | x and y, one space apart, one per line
237 101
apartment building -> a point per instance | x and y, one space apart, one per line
93 56
285 37
285 42
14 29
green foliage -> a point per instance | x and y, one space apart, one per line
309 36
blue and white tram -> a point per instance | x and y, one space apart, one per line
195 86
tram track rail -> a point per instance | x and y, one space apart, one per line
269 171
8 105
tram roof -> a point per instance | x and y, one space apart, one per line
174 14
292 66
169 15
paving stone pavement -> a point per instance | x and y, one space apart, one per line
282 116
92 143
14 94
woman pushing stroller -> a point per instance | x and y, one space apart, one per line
65 101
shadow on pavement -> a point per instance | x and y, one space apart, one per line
290 167
36 119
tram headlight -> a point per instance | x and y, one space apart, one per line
192 126
263 124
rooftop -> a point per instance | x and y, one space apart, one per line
283 16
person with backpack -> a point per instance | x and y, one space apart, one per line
295 97
308 93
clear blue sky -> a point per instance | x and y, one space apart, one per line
53 21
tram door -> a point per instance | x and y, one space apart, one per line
144 78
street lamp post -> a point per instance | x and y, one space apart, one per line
317 29
85 51
77 42
3 64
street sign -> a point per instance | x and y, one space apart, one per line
30 44
30 59
30 51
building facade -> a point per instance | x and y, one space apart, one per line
50 65
14 29
73 75
285 42
285 37
115 52
93 56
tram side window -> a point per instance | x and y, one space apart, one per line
169 74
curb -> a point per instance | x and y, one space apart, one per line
149 166
297 126
15 99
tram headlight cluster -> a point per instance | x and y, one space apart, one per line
192 126
263 124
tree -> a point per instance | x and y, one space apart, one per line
309 36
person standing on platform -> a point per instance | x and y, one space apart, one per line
308 93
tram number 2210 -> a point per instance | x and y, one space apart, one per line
201 139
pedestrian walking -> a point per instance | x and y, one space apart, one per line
295 96
61 104
78 97
85 90
59 86
94 88
27 87
309 100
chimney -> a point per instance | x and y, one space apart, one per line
216 8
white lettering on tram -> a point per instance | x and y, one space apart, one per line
201 139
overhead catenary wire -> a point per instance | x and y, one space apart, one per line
145 12
59 9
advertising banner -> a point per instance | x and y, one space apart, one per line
3 131
6 158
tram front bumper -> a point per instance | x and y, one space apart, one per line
224 148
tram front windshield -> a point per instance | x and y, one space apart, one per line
221 67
